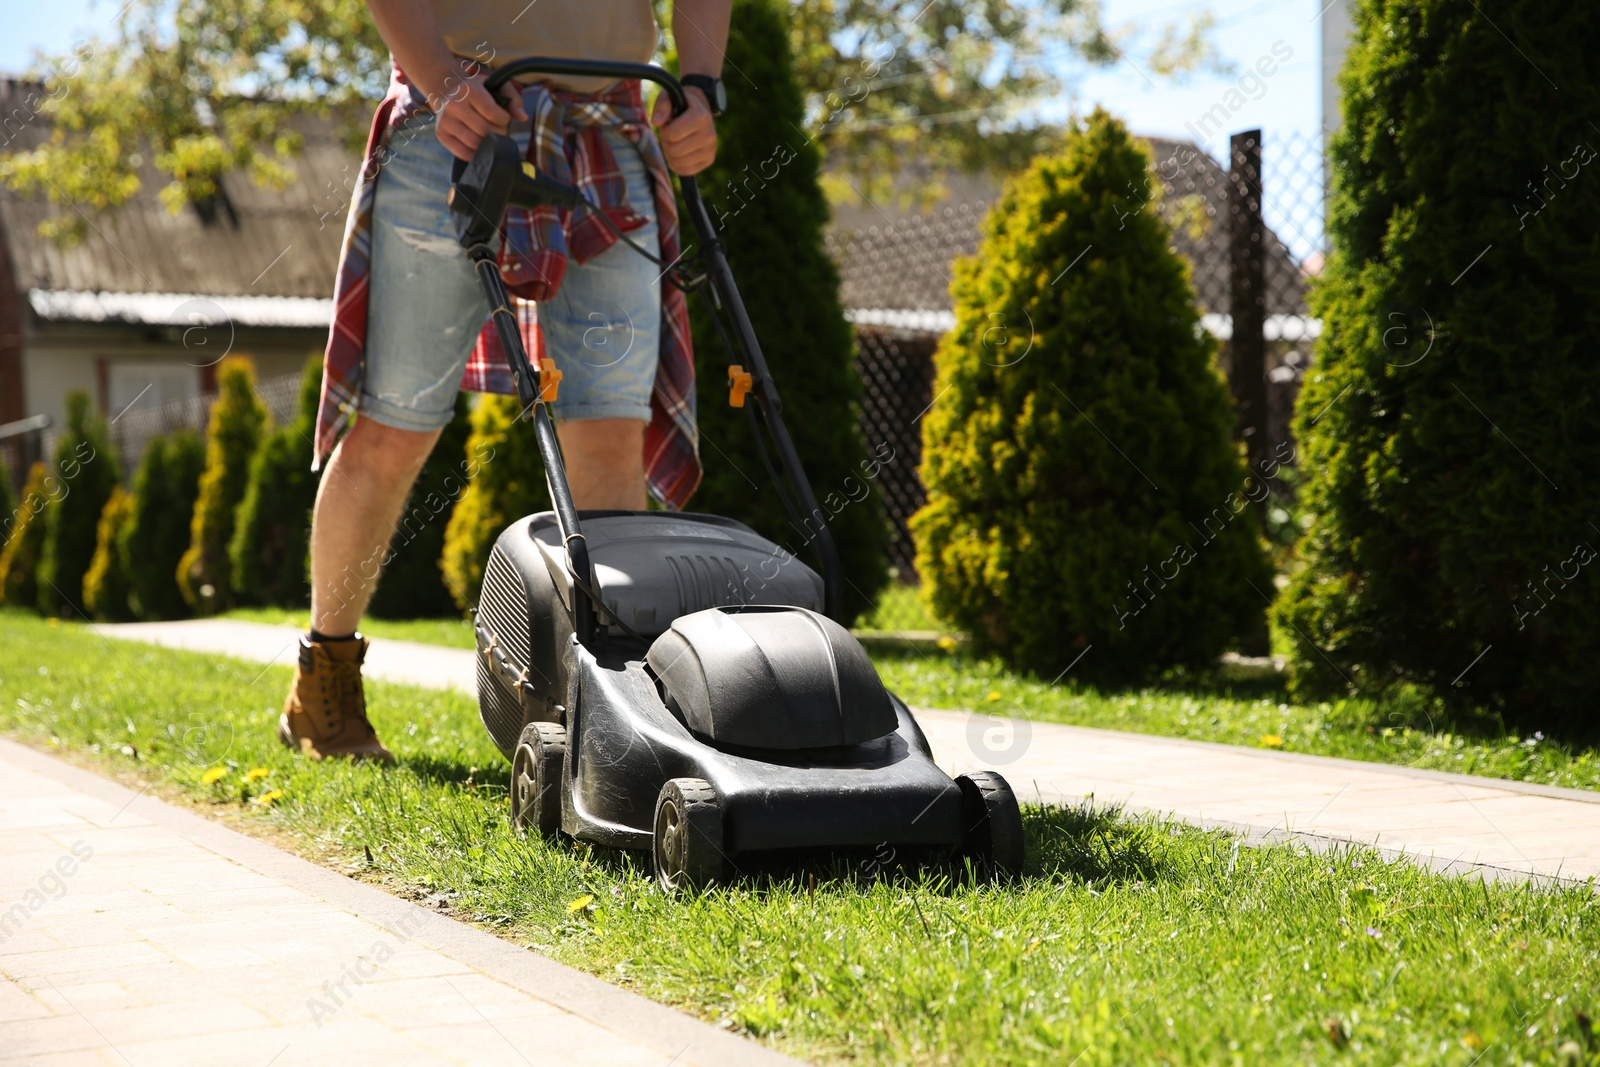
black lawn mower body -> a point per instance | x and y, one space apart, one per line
675 682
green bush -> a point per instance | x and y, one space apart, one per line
19 560
272 530
504 481
105 584
236 424
1082 487
765 195
1450 425
413 586
87 469
164 491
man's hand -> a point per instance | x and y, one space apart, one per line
690 140
467 112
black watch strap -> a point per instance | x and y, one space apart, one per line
716 93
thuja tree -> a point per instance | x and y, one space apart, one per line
105 584
24 537
1451 426
764 191
272 530
165 487
87 470
237 420
1086 507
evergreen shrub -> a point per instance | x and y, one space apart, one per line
1086 505
237 421
87 471
165 487
272 531
105 585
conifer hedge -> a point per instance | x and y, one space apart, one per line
765 195
19 560
267 554
87 471
1451 423
237 421
165 488
1086 506
105 585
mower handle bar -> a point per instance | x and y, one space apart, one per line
720 277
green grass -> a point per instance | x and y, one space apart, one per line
1128 941
456 633
1404 729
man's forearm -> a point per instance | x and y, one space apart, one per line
412 34
700 28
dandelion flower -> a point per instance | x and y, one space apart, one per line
213 775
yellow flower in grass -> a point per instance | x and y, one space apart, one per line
255 774
213 776
580 904
948 643
1271 741
992 697
270 797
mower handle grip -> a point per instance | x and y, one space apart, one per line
583 68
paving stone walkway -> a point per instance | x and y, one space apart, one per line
135 933
1451 822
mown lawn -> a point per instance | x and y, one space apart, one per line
1128 941
1253 712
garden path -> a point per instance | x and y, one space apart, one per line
137 933
1451 822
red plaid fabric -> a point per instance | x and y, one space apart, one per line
568 143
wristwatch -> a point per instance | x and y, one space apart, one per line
716 93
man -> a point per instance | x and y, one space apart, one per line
410 314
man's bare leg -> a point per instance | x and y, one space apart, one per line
358 504
605 462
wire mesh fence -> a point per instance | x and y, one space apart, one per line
133 430
895 278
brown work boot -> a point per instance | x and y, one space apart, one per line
326 713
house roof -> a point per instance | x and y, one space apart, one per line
273 252
259 242
894 262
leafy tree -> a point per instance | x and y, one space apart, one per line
105 585
505 481
413 584
157 534
199 88
773 230
272 530
1085 503
1450 424
87 470
19 560
236 424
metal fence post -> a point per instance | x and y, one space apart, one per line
1247 370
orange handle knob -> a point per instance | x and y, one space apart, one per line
739 385
549 380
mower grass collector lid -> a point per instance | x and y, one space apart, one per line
770 677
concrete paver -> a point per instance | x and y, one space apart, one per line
1450 821
134 933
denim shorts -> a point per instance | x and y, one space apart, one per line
425 306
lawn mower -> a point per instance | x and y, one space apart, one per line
676 682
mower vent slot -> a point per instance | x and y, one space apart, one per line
705 582
499 708
503 608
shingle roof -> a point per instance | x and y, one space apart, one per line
273 243
895 260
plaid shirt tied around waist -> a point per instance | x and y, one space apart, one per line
568 143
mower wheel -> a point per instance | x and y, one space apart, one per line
991 820
688 835
536 778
